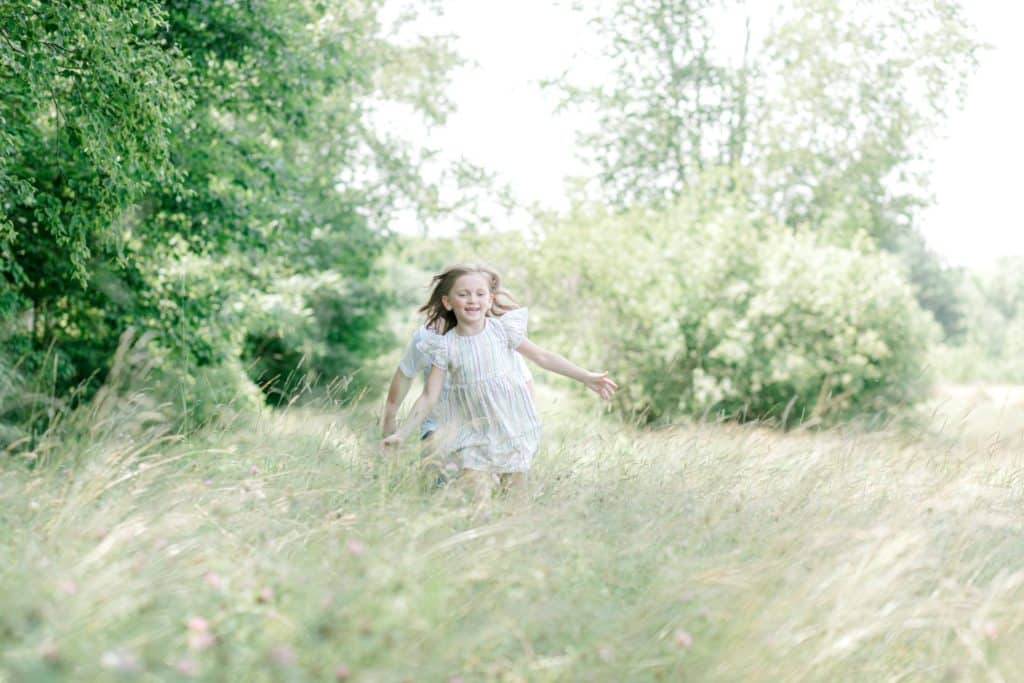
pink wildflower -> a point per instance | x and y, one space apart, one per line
198 624
283 656
683 639
187 666
213 580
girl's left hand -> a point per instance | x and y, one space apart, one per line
601 384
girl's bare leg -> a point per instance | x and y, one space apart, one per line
478 484
514 485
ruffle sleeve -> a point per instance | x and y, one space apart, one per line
514 324
413 361
433 346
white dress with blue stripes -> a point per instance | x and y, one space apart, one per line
487 421
414 362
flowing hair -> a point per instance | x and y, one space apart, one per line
441 320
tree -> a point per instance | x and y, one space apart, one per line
848 95
87 98
817 118
165 163
939 287
819 113
990 346
667 114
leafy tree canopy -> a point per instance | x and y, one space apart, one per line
164 163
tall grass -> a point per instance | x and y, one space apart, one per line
282 547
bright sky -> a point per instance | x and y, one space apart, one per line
505 122
977 177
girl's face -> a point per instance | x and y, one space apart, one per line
470 298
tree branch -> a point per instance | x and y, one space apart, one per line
10 42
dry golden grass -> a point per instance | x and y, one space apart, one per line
282 547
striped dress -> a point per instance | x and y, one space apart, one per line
487 421
416 362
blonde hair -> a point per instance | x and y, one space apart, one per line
442 320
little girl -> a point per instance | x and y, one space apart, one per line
488 426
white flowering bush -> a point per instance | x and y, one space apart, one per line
699 311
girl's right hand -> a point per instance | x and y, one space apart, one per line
392 441
601 384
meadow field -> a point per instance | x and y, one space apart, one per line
220 222
283 547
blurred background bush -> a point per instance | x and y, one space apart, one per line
714 310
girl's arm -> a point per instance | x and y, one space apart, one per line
598 382
424 404
400 385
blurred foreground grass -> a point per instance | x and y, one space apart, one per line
281 548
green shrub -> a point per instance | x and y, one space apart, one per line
153 387
201 395
699 311
12 429
27 399
313 330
